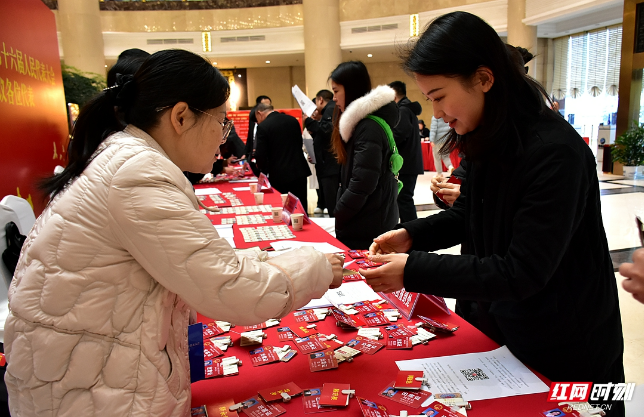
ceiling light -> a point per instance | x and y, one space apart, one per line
239 75
268 62
214 63
369 55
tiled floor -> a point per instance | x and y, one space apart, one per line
621 201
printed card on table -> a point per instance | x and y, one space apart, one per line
364 307
407 380
331 344
303 331
198 411
255 407
342 317
332 395
367 264
375 318
275 393
285 333
220 409
402 342
213 368
395 330
308 345
412 399
365 345
437 409
322 361
352 277
263 356
210 350
358 254
372 409
305 316
211 330
438 326
311 401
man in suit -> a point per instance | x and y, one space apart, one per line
407 137
251 142
327 169
279 152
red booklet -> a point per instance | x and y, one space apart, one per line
450 180
275 393
407 380
332 395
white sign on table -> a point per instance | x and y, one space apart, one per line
477 376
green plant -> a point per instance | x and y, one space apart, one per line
628 149
81 86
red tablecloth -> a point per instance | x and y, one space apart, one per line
367 374
428 158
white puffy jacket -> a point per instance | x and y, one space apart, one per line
101 296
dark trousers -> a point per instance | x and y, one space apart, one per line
406 207
321 203
329 190
296 186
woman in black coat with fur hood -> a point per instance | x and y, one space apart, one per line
368 190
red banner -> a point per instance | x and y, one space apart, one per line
240 119
34 133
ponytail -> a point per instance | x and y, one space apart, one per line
96 121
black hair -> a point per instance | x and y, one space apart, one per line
260 98
422 122
399 87
129 62
164 79
458 44
326 95
263 107
354 77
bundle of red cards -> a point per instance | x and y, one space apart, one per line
311 401
438 326
409 398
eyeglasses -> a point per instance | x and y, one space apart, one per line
226 125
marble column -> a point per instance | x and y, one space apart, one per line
79 24
520 34
321 43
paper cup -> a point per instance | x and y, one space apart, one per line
277 214
259 198
284 197
253 187
297 220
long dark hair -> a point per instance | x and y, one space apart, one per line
354 77
457 45
164 79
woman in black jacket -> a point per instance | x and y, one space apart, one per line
529 211
366 204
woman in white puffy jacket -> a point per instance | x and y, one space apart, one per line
101 297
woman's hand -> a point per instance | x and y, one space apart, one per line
393 241
438 179
388 277
447 190
336 262
635 275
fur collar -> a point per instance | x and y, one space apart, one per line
362 107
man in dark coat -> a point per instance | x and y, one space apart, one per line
327 169
251 144
279 152
407 137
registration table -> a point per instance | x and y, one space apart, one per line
368 375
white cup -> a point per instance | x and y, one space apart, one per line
259 198
284 197
277 214
297 220
253 187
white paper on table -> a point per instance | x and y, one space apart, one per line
323 247
307 105
225 230
317 303
254 179
308 144
207 191
241 188
351 292
503 375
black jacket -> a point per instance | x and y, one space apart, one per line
252 122
368 191
407 137
537 251
326 165
279 148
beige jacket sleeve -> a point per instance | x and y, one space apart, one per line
153 217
